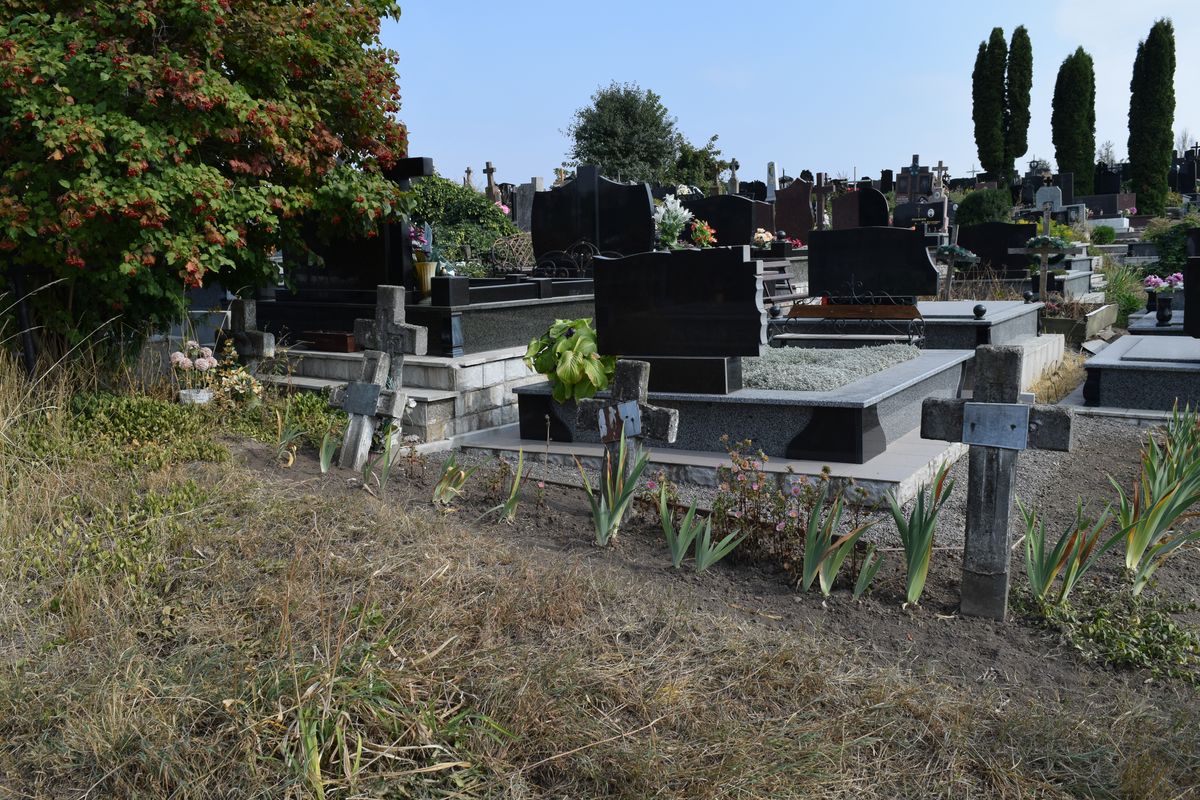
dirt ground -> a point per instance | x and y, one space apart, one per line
1019 660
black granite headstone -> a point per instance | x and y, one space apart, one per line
1191 272
755 190
1066 182
793 209
732 216
887 181
615 217
686 303
1107 179
904 215
865 264
991 241
864 208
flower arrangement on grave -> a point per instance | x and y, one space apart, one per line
232 380
762 238
567 354
1164 286
795 242
502 207
1128 212
670 220
703 235
954 253
192 365
1052 242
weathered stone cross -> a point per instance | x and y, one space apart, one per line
997 427
1045 252
492 191
820 191
467 180
628 410
390 333
365 400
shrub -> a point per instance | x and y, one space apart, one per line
1103 234
985 205
459 216
1171 238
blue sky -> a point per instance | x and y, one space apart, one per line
840 87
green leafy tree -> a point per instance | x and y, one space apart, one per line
1152 117
987 95
984 205
152 144
1073 119
698 166
1018 83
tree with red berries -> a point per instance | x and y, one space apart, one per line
150 145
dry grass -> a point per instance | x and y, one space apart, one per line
211 630
985 284
1054 385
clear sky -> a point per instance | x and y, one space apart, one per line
835 86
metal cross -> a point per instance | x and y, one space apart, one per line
997 427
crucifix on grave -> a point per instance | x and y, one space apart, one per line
628 411
939 180
1044 251
821 189
735 185
390 333
366 400
467 179
998 428
492 191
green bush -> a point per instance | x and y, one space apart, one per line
1171 238
139 430
459 216
985 205
1103 234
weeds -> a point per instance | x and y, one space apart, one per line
678 542
918 529
618 486
379 469
867 571
450 484
507 510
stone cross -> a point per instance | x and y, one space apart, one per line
820 191
252 345
467 180
492 191
997 427
1044 252
939 180
366 400
735 185
390 333
628 410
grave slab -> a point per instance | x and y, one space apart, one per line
1147 325
1144 373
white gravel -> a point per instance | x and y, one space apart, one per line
804 369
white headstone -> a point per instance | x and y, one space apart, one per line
772 182
1051 195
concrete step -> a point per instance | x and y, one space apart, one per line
465 373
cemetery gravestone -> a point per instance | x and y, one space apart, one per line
389 333
522 204
821 190
992 241
492 191
793 209
365 400
862 264
614 217
1049 194
755 190
733 217
997 427
772 183
864 208
735 186
252 345
628 411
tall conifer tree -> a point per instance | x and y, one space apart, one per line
1152 116
1073 120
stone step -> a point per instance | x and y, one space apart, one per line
465 373
302 383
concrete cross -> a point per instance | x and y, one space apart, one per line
366 400
997 427
492 191
820 191
390 333
628 410
252 345
1044 252
735 185
467 180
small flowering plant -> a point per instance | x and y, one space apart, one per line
795 242
193 365
421 239
503 208
763 238
1168 285
703 235
1128 212
670 221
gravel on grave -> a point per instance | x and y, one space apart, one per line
1051 482
804 369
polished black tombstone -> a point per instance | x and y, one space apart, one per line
733 217
793 209
991 241
755 190
1191 272
864 265
612 217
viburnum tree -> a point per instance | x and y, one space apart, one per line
150 145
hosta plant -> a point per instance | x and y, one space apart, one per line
567 355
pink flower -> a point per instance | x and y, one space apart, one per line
192 344
541 484
206 352
754 487
652 485
185 363
780 526
793 513
202 364
502 207
737 515
742 478
176 358
795 490
758 465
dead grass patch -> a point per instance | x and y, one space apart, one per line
1054 385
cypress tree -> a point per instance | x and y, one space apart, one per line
1073 120
1152 116
1018 83
987 95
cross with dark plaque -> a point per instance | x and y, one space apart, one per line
820 191
390 333
492 191
627 410
997 427
366 400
